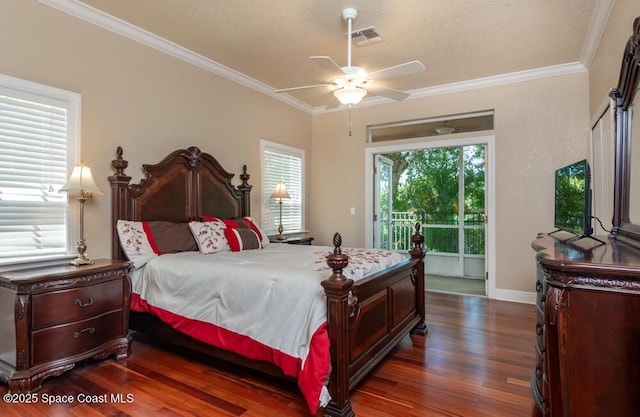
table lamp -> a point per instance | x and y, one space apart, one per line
82 185
280 192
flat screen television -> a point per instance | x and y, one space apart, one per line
573 199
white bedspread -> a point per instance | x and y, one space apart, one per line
272 295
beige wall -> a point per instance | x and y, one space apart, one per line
539 126
143 100
151 104
605 68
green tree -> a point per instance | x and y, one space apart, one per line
425 182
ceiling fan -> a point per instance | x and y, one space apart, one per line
352 83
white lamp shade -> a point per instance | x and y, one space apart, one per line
350 95
280 191
81 182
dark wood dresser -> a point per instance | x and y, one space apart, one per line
588 329
54 316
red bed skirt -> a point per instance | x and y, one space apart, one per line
311 375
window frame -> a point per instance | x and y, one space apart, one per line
41 93
267 204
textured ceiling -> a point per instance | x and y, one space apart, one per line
271 41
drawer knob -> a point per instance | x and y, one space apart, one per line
90 330
79 302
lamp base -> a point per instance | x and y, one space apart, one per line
81 260
278 238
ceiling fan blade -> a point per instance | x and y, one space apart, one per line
376 90
397 70
327 64
284 90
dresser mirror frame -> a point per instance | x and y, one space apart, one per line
626 172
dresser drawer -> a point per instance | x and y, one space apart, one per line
64 306
59 342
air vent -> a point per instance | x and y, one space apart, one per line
366 36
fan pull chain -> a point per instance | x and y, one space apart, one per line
350 124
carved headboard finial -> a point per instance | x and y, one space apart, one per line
119 164
244 176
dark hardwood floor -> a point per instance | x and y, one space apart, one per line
475 361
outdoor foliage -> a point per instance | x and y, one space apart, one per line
425 183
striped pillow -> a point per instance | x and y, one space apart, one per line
242 233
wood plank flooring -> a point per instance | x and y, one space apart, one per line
475 361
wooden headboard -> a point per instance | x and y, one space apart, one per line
182 187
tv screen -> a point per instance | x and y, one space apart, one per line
573 199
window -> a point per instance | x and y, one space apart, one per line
282 163
39 127
437 126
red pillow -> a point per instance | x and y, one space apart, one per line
241 232
245 222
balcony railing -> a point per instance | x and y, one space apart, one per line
440 230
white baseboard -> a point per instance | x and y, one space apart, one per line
515 296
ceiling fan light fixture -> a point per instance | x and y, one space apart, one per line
350 95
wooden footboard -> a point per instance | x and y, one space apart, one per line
366 320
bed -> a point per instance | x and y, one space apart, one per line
366 316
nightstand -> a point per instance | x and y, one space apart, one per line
299 239
54 316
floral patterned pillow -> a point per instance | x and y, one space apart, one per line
209 236
134 242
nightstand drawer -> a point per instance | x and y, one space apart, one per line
64 306
70 339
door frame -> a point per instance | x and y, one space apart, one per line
379 160
490 226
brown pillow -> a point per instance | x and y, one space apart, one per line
242 239
171 237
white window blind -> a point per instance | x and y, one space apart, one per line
282 163
34 138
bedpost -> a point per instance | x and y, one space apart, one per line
418 273
338 291
245 189
119 208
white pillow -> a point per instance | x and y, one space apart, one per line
135 243
210 236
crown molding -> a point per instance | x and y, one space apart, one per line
94 16
598 24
